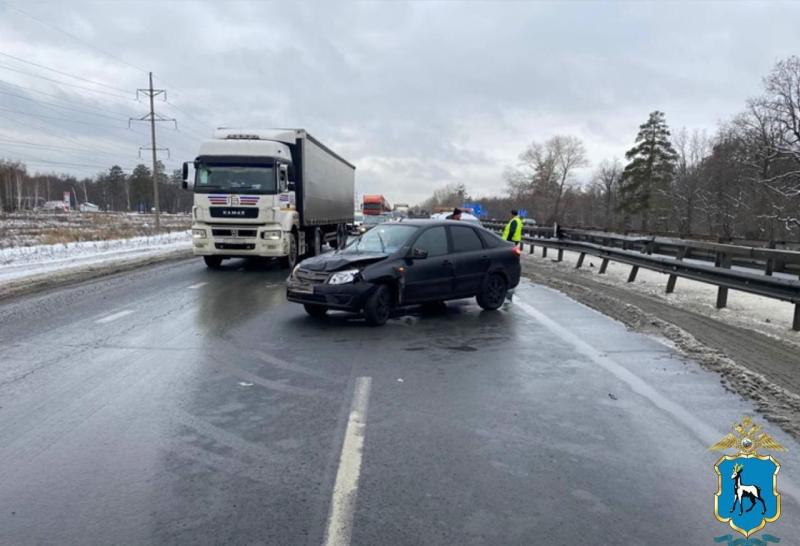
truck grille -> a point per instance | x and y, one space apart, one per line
235 246
233 212
311 277
233 232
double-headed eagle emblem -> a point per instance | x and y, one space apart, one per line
747 438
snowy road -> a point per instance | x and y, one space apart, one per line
174 404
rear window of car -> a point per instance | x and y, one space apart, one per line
491 240
465 239
434 240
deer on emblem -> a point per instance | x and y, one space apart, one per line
752 492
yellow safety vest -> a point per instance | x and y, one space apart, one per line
516 236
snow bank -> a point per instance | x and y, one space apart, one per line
766 315
20 262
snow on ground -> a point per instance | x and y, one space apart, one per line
766 315
17 263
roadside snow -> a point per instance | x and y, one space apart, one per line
19 263
768 316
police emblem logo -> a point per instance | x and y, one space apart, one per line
747 495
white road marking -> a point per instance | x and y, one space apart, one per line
115 316
345 489
705 433
196 286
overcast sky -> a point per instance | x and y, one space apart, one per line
417 94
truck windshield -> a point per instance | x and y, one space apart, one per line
385 238
235 178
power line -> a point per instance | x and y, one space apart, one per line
84 42
62 119
68 136
67 163
59 82
59 97
81 78
52 105
53 147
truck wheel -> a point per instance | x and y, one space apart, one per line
341 236
379 306
316 250
493 292
291 260
316 311
212 262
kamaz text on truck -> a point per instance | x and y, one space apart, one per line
274 193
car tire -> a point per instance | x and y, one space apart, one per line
316 311
493 292
212 262
379 306
288 262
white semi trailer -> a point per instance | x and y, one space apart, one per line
276 193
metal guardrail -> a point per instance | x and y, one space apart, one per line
669 255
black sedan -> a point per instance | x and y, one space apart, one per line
406 263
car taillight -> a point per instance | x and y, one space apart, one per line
516 250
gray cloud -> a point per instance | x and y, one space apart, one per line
416 94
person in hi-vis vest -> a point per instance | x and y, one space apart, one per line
513 230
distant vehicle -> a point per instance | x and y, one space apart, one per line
404 263
268 192
401 208
55 206
88 207
375 204
465 217
357 227
528 222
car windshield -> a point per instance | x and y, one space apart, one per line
386 238
235 178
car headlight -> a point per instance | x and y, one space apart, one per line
344 277
199 233
271 235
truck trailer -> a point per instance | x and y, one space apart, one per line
272 193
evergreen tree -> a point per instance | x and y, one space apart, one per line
650 168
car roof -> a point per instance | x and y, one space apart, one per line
434 222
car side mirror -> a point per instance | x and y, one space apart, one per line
185 172
283 177
419 253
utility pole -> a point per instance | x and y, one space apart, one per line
152 117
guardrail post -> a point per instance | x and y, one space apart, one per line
544 252
722 260
532 247
603 266
580 260
674 278
796 322
632 275
560 254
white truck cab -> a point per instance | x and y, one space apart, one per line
274 193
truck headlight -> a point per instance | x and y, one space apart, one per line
271 235
199 233
344 277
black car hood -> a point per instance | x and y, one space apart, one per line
333 261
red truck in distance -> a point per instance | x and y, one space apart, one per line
375 205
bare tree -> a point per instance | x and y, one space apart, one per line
569 155
606 180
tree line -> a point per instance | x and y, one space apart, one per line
113 190
741 181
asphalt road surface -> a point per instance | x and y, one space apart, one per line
178 405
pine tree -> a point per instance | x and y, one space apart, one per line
650 168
